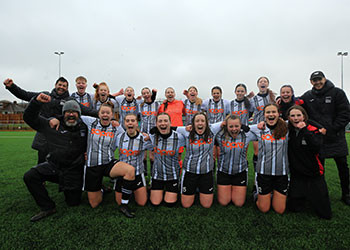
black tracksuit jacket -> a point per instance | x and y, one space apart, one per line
66 146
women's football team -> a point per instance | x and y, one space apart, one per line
216 134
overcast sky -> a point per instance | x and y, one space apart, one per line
174 43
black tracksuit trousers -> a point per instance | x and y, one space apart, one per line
34 180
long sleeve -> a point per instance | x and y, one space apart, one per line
32 118
21 93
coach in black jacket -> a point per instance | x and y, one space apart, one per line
329 106
59 95
65 161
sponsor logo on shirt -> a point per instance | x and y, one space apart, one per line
260 108
148 113
86 104
164 152
128 108
269 137
216 111
201 142
232 145
190 111
96 131
129 152
240 112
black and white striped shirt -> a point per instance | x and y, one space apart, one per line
233 152
85 99
97 104
101 142
216 111
238 108
131 150
148 113
199 153
257 103
166 150
126 107
273 154
190 110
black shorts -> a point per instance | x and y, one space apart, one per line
93 176
190 182
171 186
136 184
268 183
239 179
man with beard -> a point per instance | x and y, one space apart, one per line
59 95
65 161
329 106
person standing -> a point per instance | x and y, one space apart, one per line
81 95
58 96
329 106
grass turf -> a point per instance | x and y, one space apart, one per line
155 228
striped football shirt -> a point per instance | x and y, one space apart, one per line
166 150
273 154
85 99
238 108
190 110
258 102
216 111
101 142
233 152
199 153
127 107
148 114
132 150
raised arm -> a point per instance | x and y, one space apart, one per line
18 92
31 114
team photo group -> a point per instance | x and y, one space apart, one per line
188 147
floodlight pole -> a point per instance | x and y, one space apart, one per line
59 53
342 54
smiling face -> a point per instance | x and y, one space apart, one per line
81 86
240 93
170 94
216 94
71 118
286 94
131 124
61 87
263 84
296 116
318 82
129 93
192 94
103 92
271 115
200 124
105 114
146 94
233 127
163 124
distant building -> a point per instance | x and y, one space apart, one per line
7 107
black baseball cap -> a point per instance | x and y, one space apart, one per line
316 74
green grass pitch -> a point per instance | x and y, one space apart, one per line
155 228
